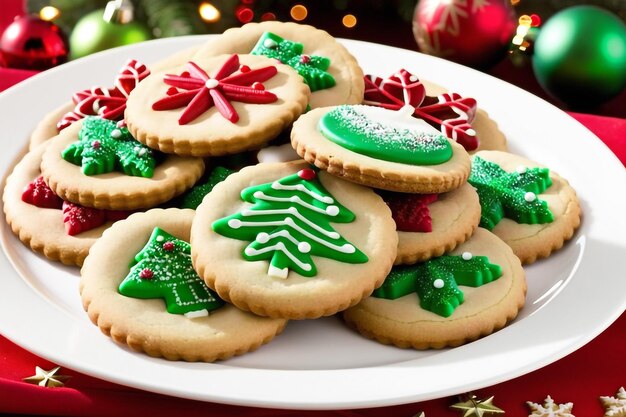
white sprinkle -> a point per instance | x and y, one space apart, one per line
466 256
438 283
530 197
520 169
160 238
304 247
270 43
142 152
234 223
332 210
116 134
471 132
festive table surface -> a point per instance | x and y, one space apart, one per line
597 369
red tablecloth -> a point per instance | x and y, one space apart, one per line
596 369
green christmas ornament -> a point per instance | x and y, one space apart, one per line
580 56
107 28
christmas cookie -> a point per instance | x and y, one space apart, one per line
216 106
138 286
328 68
430 224
60 230
455 116
381 148
446 301
105 102
530 207
97 163
283 240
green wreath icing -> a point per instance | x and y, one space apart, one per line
311 67
103 147
192 198
436 281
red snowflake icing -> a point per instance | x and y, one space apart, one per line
449 112
410 211
109 103
201 92
77 219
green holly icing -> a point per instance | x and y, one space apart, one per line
381 134
192 198
436 281
311 67
512 195
289 223
103 147
162 269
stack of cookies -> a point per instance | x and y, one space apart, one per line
264 178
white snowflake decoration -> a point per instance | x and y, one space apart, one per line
550 409
615 406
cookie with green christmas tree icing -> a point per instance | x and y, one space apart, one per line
529 206
284 240
139 287
331 72
446 301
381 148
214 106
97 163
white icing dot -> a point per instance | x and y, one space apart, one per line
530 197
471 132
160 238
520 169
306 267
270 43
304 247
289 221
262 237
249 251
438 283
293 210
293 199
142 152
258 194
347 248
413 78
211 83
116 134
136 148
234 223
332 210
466 256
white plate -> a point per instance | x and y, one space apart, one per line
319 364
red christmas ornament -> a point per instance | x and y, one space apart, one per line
33 43
471 32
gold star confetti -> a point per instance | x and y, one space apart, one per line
615 406
47 378
476 407
550 409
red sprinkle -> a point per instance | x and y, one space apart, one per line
305 59
95 144
307 174
168 246
146 274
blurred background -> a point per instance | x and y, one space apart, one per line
570 52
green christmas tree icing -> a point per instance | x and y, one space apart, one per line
311 67
103 147
512 195
192 198
436 281
289 223
162 269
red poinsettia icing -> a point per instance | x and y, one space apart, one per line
77 218
449 112
39 194
232 82
109 103
410 211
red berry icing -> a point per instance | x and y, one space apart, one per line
168 246
146 274
39 194
201 92
79 219
410 211
307 174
